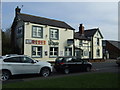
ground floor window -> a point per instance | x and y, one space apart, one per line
53 51
98 52
86 53
68 51
37 51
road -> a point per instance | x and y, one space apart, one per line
107 66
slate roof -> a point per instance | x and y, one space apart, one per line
90 32
78 36
115 43
44 21
87 33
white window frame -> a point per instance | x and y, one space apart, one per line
37 31
53 52
68 52
54 34
35 49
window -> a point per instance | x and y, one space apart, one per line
36 51
20 30
98 52
37 32
80 43
54 34
26 60
86 53
13 60
53 51
97 41
68 51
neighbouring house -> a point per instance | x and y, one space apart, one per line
111 49
88 43
41 38
0 42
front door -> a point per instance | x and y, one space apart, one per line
78 53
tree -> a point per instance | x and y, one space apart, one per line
6 42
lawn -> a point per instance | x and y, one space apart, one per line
92 80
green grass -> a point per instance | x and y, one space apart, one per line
92 80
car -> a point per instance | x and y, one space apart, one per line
67 64
118 61
22 64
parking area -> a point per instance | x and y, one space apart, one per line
98 67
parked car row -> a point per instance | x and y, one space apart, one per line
21 64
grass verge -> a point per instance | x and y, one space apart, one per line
92 80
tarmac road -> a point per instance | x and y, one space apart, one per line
107 66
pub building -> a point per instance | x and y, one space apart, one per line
41 38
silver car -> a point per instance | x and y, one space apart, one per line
21 64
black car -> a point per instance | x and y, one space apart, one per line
71 63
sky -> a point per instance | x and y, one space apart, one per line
102 15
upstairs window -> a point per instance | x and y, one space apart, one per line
37 32
54 34
20 29
98 41
80 43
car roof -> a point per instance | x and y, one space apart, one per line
68 57
10 56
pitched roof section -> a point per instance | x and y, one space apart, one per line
87 33
44 21
90 32
115 43
78 36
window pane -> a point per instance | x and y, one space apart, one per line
53 34
37 51
34 31
37 31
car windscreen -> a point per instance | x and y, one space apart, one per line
63 59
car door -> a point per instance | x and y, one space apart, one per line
14 65
78 64
28 66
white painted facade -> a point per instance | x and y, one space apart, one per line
82 46
64 35
90 49
97 46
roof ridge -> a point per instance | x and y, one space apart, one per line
42 17
91 29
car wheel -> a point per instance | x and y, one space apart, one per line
5 75
45 72
88 68
66 71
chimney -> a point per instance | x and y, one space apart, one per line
17 10
81 29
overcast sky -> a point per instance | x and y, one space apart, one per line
92 14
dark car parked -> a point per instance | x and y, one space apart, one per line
71 63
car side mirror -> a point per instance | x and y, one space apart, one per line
33 62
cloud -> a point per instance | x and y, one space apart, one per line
92 14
